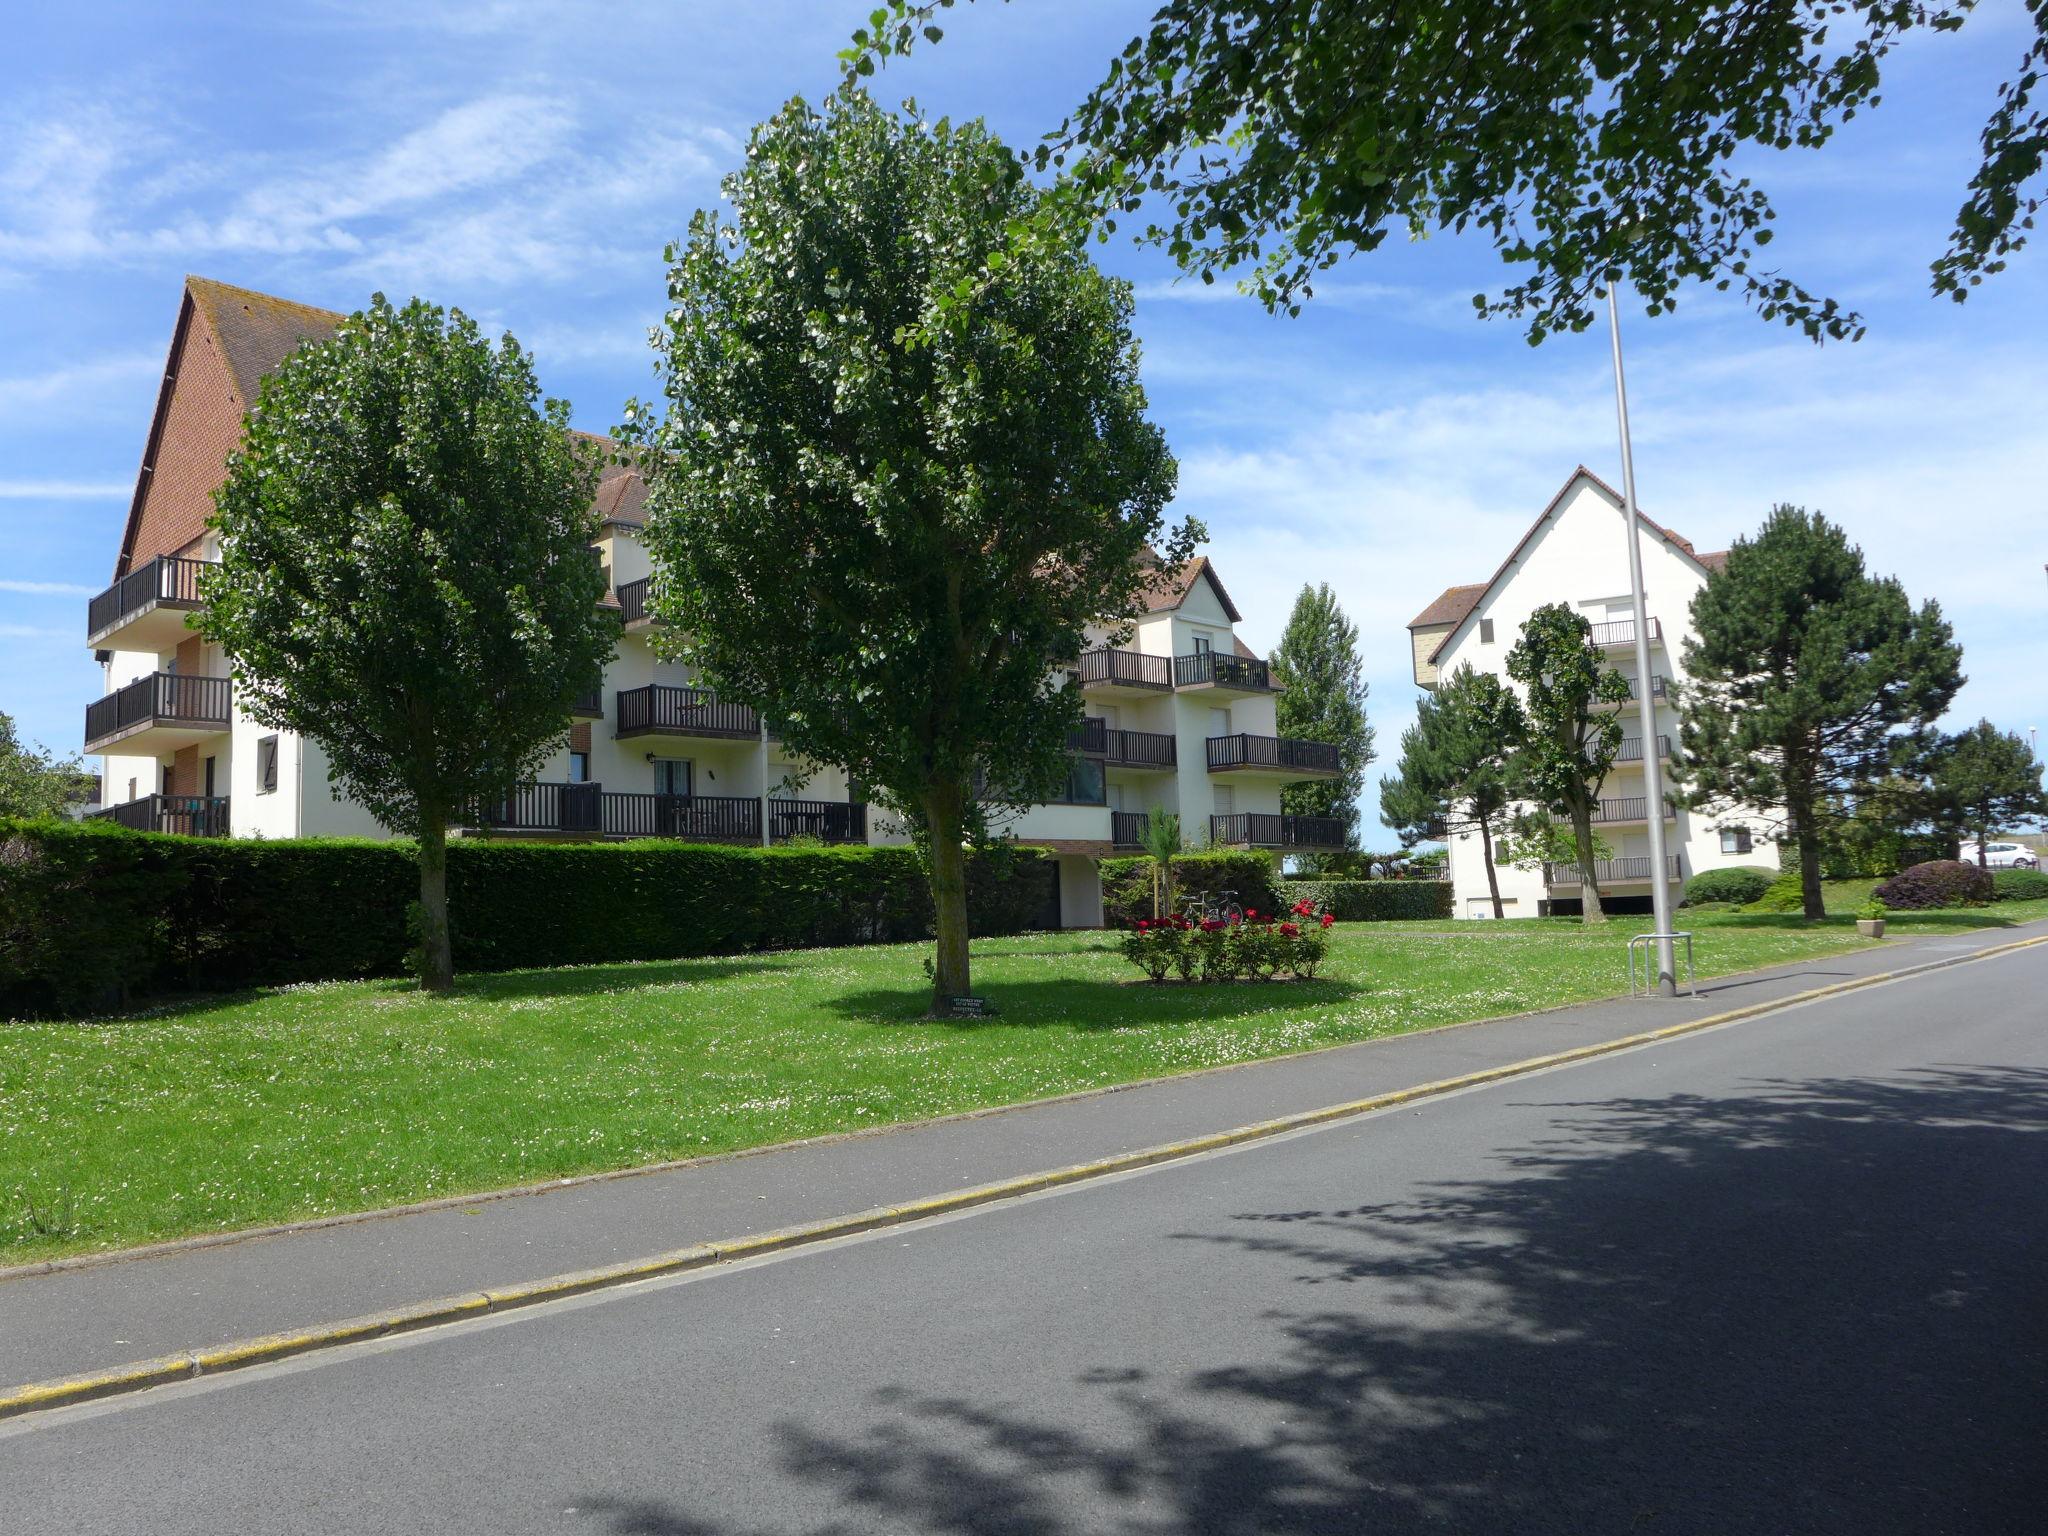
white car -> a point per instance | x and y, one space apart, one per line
2001 855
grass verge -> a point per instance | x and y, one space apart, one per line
219 1113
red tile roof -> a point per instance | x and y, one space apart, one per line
1451 606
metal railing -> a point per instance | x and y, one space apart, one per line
166 579
1141 749
186 815
1628 808
1623 632
1263 829
1213 667
1127 828
1124 669
633 601
1283 752
592 809
1631 750
661 709
1631 867
159 697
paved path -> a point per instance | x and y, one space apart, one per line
1779 1277
67 1321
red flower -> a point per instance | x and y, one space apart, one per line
1211 925
1250 915
1304 908
1328 918
1143 925
1292 930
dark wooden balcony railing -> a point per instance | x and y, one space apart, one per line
662 710
1124 669
592 809
1630 867
1140 749
1283 752
1623 632
1090 737
160 698
172 579
1126 828
1214 668
589 704
1264 829
633 607
186 815
1631 750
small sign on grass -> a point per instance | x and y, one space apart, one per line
969 1008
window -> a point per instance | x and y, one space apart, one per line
1486 638
672 776
1735 839
579 767
266 765
1085 782
208 791
1201 645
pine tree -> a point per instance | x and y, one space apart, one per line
1324 700
1456 774
1808 676
1983 779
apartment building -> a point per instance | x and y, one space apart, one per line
1575 553
1181 716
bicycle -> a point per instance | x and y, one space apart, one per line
1217 907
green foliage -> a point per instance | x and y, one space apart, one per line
1161 840
1324 700
1872 911
1376 901
1783 894
1279 138
1741 885
92 914
405 575
35 782
1252 873
1809 680
1214 951
1985 778
1937 883
2019 885
1457 765
1536 838
903 467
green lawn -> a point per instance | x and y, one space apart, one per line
230 1112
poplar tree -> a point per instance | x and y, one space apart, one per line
1457 767
1323 699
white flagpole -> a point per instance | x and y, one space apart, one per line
1646 704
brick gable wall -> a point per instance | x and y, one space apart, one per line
202 426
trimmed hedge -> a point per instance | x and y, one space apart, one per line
1252 873
1937 883
91 914
2019 885
1745 883
1376 901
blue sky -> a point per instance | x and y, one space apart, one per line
527 161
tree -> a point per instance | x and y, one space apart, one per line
1160 837
1324 700
1571 741
36 782
1985 779
1808 678
1276 136
1457 766
405 573
901 472
1535 839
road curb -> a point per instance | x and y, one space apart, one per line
142 1374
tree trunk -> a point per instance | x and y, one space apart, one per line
1590 910
1810 900
943 806
437 954
1983 845
1492 875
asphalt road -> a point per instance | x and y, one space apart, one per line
1787 1276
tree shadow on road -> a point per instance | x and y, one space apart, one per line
1814 1307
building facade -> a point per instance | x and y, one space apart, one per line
1181 716
1575 554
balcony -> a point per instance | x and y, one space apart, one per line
634 613
1130 674
1660 692
1218 673
1124 749
1273 757
589 704
185 815
1607 872
1631 749
1127 828
1630 808
158 713
590 810
1263 829
145 610
661 710
1622 632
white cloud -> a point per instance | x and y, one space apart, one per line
47 588
65 490
70 380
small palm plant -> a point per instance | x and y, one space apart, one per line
1161 839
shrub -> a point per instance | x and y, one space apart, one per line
1127 883
2019 885
1746 883
1295 943
1782 894
1373 901
1937 883
92 913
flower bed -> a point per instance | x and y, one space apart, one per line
1210 950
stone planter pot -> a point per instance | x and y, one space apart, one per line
1870 927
